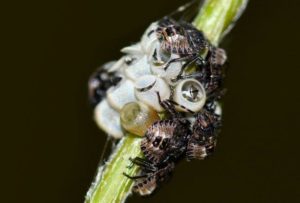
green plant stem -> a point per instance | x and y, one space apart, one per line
215 19
111 185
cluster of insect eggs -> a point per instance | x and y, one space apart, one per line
131 102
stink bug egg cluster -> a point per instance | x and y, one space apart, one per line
173 69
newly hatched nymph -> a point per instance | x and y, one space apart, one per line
181 39
164 144
168 141
205 129
212 74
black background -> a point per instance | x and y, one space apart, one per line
52 147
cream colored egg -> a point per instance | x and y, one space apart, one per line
134 50
121 94
191 94
137 117
118 66
108 119
138 68
146 89
172 71
149 39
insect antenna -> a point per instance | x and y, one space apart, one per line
187 11
101 163
100 169
108 138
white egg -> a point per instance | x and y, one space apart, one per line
191 94
146 89
149 39
108 65
135 49
172 71
121 94
138 68
117 66
108 119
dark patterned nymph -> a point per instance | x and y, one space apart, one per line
182 39
164 144
213 73
191 47
204 133
100 81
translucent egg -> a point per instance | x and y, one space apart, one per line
137 117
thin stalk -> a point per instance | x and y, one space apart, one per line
215 19
111 185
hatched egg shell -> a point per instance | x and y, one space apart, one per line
171 73
118 65
108 65
146 89
191 94
121 94
149 38
108 119
137 117
138 68
135 49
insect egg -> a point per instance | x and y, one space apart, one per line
118 65
146 88
137 117
149 39
135 49
108 119
138 67
121 94
160 56
191 94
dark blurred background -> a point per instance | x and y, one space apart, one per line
52 147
